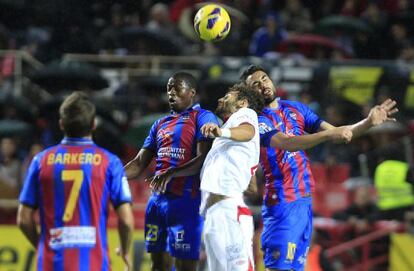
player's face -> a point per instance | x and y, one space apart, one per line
262 84
227 104
180 95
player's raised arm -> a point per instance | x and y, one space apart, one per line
243 132
377 115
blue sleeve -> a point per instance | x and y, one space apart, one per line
151 140
119 187
266 130
312 121
30 191
204 117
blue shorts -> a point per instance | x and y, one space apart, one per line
173 224
286 236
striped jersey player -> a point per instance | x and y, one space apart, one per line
72 184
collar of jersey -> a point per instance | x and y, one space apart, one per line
76 141
195 106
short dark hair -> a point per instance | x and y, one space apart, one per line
256 101
77 114
250 70
188 78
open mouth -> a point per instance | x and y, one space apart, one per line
171 100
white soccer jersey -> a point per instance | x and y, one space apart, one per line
230 164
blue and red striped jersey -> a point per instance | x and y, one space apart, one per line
287 174
72 184
173 139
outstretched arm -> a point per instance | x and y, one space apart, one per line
303 142
377 115
26 223
137 165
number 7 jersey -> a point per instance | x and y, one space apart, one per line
72 184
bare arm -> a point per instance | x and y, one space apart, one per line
303 142
137 165
243 132
26 223
125 228
377 115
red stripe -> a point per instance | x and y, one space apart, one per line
71 256
241 210
96 190
288 184
46 177
250 268
298 158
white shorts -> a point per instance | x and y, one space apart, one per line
228 236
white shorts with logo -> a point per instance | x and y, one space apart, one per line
228 236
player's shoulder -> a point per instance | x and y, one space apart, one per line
106 153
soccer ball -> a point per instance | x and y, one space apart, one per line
212 23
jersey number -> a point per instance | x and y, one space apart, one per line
152 234
75 176
291 251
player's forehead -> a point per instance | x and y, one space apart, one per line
231 94
177 82
257 75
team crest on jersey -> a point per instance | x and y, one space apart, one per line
186 117
293 116
264 128
163 135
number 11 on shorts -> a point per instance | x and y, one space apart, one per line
291 249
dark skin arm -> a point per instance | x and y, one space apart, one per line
159 182
137 165
26 223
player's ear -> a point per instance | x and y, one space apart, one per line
193 92
243 103
61 125
94 124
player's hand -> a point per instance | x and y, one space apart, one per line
125 258
211 130
160 181
341 135
381 113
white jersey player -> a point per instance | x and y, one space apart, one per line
226 173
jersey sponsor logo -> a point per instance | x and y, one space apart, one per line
293 116
77 236
288 155
74 158
177 153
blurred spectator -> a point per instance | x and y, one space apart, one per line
296 17
394 184
406 54
159 20
353 7
110 40
267 37
35 148
362 213
10 169
306 98
398 38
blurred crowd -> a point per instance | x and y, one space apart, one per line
365 29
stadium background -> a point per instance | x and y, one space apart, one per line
338 56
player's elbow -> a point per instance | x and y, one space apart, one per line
24 218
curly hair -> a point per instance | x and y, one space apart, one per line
250 70
256 101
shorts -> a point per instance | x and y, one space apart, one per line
286 236
173 224
228 236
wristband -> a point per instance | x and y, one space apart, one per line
225 132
